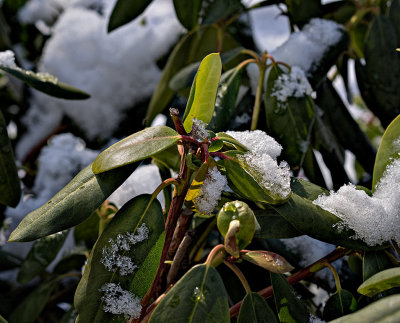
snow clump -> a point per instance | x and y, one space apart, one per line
375 219
211 191
113 260
119 301
199 131
261 157
7 58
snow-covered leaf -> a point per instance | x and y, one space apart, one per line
380 282
136 147
46 83
255 309
388 151
125 257
72 205
125 11
10 187
201 100
199 296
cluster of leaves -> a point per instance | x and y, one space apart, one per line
185 247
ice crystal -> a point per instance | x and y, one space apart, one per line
375 219
199 131
7 59
113 258
293 84
119 301
211 191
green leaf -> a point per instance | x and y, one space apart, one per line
383 310
274 226
72 262
125 11
199 296
380 282
374 262
290 122
220 9
87 232
141 210
394 17
301 12
40 256
10 187
191 48
229 139
2 319
169 158
225 103
388 150
188 12
255 309
247 183
136 147
268 260
339 304
383 68
46 83
31 307
72 205
289 307
201 100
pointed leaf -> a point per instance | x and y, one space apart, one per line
268 260
125 11
40 256
201 100
10 187
380 282
72 205
389 149
339 304
199 296
136 147
229 139
46 83
140 212
255 309
383 310
291 122
188 12
289 307
33 304
374 262
273 226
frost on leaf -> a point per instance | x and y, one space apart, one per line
211 191
119 301
293 84
375 219
261 157
113 253
199 131
7 59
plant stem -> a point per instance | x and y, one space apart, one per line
240 275
257 103
300 275
335 275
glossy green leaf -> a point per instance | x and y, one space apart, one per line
216 145
46 83
87 232
40 256
273 226
374 262
229 139
339 304
201 100
380 282
10 187
225 103
388 150
255 309
199 296
383 68
125 11
141 210
31 307
72 205
220 9
191 48
289 307
136 147
188 12
383 310
268 260
169 158
291 122
247 183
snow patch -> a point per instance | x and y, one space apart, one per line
7 58
119 301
